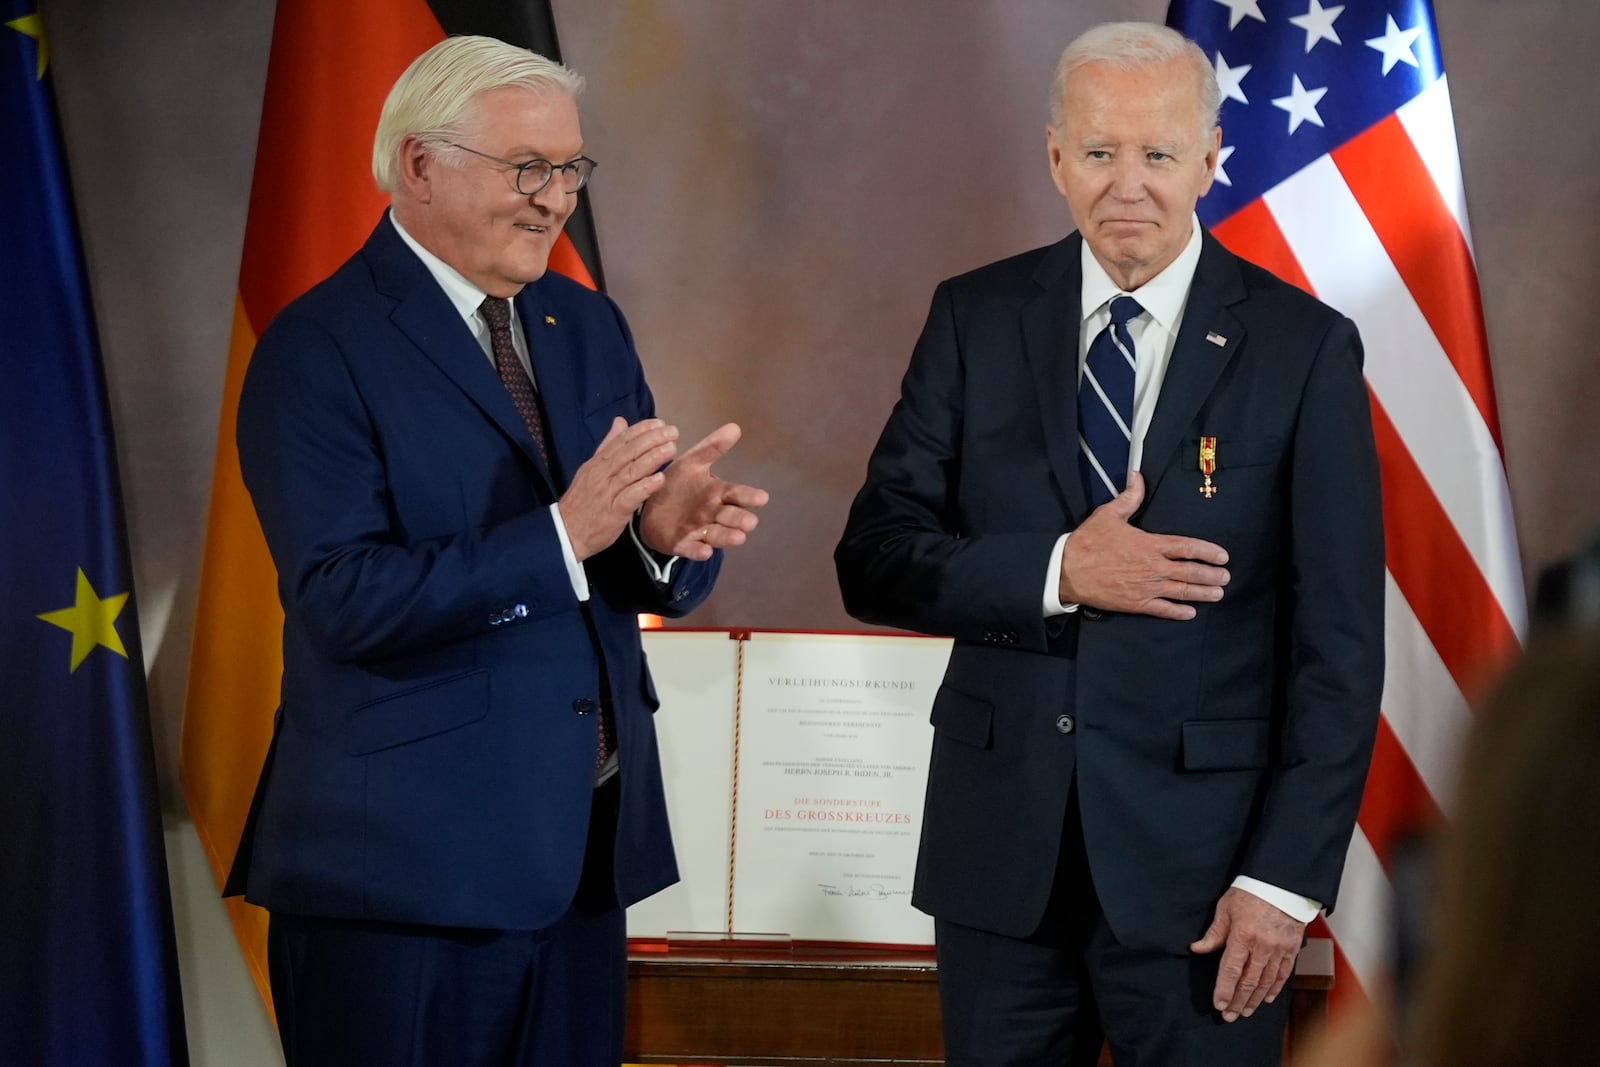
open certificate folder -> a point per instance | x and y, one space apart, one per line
795 766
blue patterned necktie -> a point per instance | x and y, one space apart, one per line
1105 406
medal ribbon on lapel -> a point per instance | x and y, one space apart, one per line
1208 465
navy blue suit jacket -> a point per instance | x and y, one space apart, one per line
433 759
1234 743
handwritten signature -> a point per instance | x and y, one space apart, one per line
870 892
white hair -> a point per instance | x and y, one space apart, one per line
1128 46
433 99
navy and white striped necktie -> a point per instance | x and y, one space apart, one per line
1105 405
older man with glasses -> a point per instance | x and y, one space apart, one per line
457 465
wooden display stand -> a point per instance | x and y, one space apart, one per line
798 1006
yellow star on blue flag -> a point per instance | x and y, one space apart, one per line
92 621
33 26
88 964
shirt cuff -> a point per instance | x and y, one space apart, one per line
658 566
575 574
1299 908
1052 581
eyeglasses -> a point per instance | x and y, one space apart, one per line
535 174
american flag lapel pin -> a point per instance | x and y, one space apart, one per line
1216 338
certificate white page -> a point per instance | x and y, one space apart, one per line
831 767
694 676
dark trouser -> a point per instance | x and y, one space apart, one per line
399 995
1049 1000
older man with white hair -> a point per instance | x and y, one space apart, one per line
457 465
1134 477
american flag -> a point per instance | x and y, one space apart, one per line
1339 172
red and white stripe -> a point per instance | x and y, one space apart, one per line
1378 229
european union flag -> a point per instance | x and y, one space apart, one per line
88 964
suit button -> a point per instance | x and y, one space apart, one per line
1009 637
1064 723
494 620
583 705
521 611
1091 613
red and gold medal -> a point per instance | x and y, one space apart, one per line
1208 465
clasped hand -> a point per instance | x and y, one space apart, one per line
687 510
1112 566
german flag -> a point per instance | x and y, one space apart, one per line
312 204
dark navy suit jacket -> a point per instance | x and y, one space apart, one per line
1234 743
433 759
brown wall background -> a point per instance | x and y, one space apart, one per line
782 184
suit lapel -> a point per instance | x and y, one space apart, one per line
1050 343
427 318
1198 360
555 364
